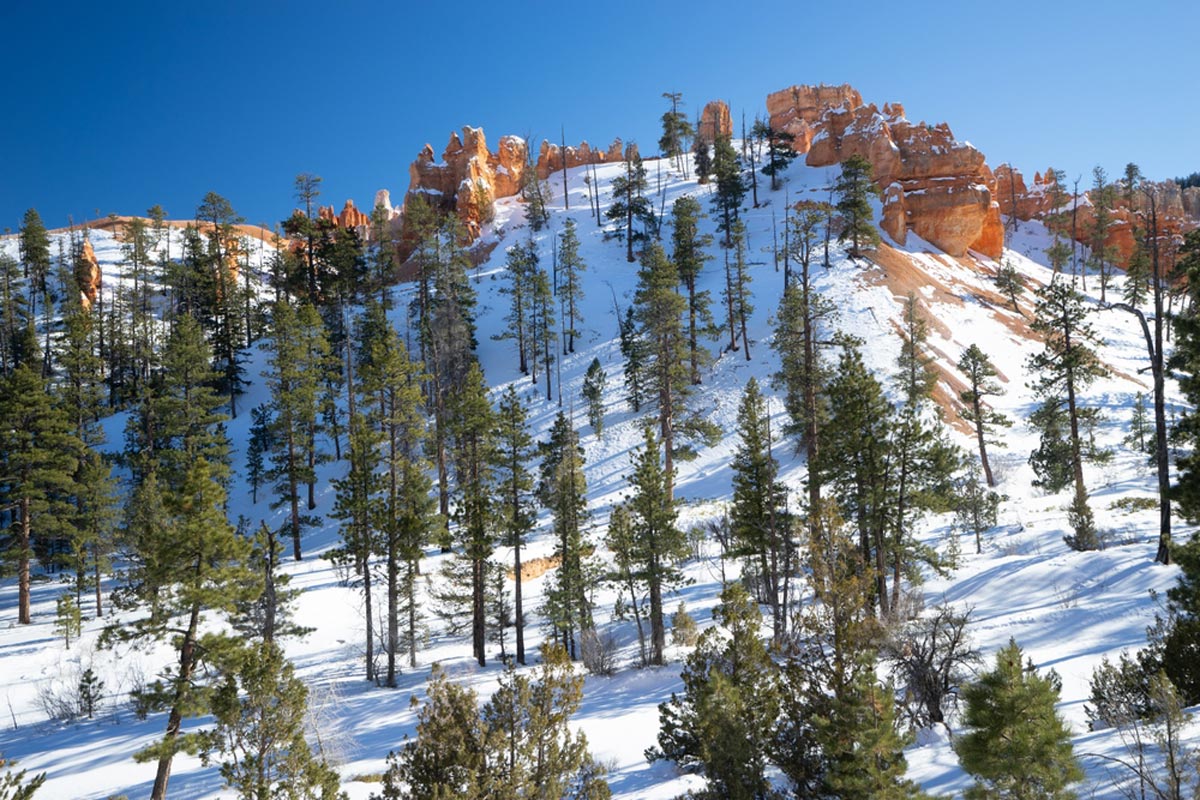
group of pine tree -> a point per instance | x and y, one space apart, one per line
428 458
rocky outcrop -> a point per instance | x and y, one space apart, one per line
87 275
715 122
508 165
463 181
933 184
350 217
550 157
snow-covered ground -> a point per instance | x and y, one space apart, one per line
1066 609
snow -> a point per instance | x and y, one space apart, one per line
1067 609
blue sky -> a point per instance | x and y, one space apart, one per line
112 107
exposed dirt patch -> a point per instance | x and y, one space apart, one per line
535 567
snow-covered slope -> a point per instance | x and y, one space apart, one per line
1067 609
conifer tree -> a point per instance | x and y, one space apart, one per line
1010 284
701 158
192 566
855 444
1139 425
33 244
633 350
1137 276
1016 744
659 308
981 384
473 431
516 514
298 354
594 382
39 459
759 519
522 260
722 723
780 152
14 314
658 541
676 130
564 491
854 187
261 443
626 572
689 257
259 710
570 264
737 290
541 326
1103 197
15 786
1064 368
630 204
730 187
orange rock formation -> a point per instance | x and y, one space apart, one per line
715 122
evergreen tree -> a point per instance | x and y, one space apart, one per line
1103 197
14 315
15 786
570 264
853 188
1064 368
522 263
730 186
1140 428
780 152
676 130
259 710
594 381
980 374
659 312
1052 460
1010 283
701 158
626 572
516 513
33 244
630 204
39 459
689 257
1182 640
298 355
564 491
658 541
541 326
1016 745
192 566
722 723
1137 276
473 431
759 520
261 443
737 290
634 351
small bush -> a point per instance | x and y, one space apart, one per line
684 632
599 652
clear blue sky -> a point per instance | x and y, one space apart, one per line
113 107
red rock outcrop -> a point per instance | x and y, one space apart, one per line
350 217
715 122
87 275
933 184
550 159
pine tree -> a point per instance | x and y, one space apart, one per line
980 374
1064 368
689 257
625 575
594 381
737 290
634 351
570 264
563 490
1137 276
629 203
472 430
39 459
15 786
1139 425
676 130
261 443
659 542
853 458
721 725
853 188
522 261
259 710
1010 284
1016 744
759 519
516 514
33 244
730 187
780 152
541 326
1103 197
701 158
190 567
14 315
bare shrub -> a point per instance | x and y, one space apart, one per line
599 652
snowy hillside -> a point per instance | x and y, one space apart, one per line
1067 609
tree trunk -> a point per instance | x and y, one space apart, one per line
24 542
187 664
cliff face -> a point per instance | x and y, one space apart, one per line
933 184
550 157
1178 209
715 122
87 275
